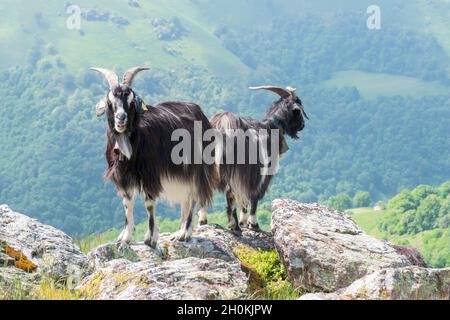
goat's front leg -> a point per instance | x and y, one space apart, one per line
203 217
253 221
126 235
233 223
151 237
187 217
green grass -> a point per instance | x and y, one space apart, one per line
371 85
367 219
48 289
267 275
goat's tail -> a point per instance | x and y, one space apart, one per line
207 182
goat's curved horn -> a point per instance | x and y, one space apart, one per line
292 91
278 90
111 76
128 76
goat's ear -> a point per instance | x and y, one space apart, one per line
101 106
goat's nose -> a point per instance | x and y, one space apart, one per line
121 116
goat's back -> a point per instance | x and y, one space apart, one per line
246 181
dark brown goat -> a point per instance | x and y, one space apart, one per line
139 149
246 183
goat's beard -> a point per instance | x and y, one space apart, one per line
293 134
290 127
123 144
120 130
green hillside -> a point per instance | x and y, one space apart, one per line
137 42
379 101
100 42
372 85
418 218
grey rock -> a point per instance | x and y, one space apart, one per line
5 260
98 257
251 239
409 283
324 250
199 246
190 278
54 253
204 267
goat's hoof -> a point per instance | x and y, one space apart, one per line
237 232
254 227
183 236
125 237
203 222
243 225
150 243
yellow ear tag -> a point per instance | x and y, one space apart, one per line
144 107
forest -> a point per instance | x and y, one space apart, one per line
368 148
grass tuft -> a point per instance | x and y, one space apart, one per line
267 276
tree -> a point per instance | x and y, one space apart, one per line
361 199
340 202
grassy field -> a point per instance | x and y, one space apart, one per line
371 85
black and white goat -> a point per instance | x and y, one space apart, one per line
138 153
246 183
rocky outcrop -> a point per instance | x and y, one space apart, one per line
409 283
324 250
203 268
30 250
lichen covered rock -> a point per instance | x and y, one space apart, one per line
251 239
324 250
188 278
410 283
205 267
202 268
31 250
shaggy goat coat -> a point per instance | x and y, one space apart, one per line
151 166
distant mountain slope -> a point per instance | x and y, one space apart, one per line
102 42
359 137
